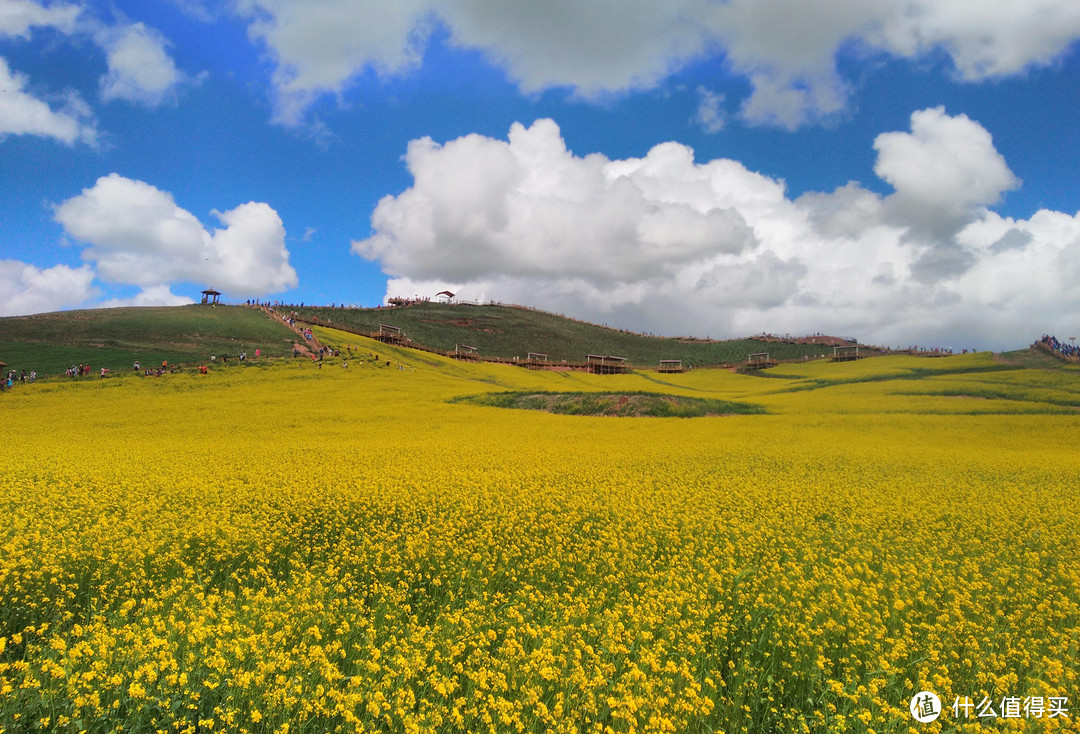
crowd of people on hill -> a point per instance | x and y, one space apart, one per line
318 355
13 375
271 305
290 319
1065 350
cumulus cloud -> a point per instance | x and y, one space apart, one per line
159 295
17 17
28 289
992 40
944 162
21 113
140 69
666 244
318 47
710 114
528 207
197 10
786 49
944 171
136 234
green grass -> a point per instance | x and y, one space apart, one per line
1049 390
622 404
975 384
514 331
1037 358
902 373
114 338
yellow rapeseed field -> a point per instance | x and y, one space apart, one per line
288 548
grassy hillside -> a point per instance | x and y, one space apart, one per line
509 331
116 337
969 384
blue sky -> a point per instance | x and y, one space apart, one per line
902 172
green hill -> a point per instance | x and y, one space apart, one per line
514 331
115 337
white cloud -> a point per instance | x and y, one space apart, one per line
668 245
159 295
944 171
710 115
943 161
992 39
21 113
787 49
26 289
17 17
139 68
594 48
528 207
138 235
318 47
197 10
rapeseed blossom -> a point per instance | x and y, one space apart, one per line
293 549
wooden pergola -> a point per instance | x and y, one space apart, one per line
603 364
845 354
210 296
535 361
465 351
389 334
760 361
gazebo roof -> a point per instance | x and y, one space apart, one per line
211 292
